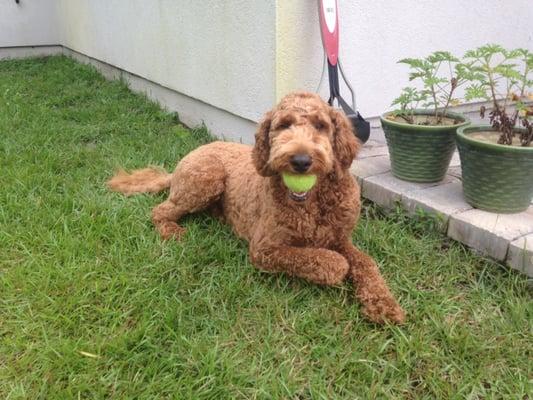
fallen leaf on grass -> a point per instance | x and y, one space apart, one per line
91 355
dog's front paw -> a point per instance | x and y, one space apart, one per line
335 270
384 309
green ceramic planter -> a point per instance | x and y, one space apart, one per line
420 153
496 178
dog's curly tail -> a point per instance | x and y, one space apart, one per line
146 180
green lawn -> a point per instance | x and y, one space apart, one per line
94 305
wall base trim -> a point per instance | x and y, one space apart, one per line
30 51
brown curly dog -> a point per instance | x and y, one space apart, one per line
307 235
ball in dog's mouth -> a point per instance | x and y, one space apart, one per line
299 185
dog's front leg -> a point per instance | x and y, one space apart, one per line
317 265
371 289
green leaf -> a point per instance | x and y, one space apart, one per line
476 92
515 53
414 63
433 80
416 75
441 56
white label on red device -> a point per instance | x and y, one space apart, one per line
329 9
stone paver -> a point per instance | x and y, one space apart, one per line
455 161
445 199
520 255
488 232
505 237
376 133
363 168
385 190
456 172
373 148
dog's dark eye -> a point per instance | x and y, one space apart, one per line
284 125
319 125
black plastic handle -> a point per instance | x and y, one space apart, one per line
360 125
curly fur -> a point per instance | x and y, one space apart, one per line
310 239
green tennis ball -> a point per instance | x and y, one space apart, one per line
299 183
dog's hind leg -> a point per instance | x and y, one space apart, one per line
196 184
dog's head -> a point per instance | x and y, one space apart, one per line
304 135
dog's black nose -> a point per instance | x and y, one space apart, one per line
301 162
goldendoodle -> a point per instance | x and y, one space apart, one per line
303 234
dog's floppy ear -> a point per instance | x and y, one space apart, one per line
345 144
261 151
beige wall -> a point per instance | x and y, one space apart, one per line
374 35
219 52
240 56
29 23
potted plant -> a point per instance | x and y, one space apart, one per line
420 133
497 159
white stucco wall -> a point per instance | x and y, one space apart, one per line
374 35
29 23
220 52
240 56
